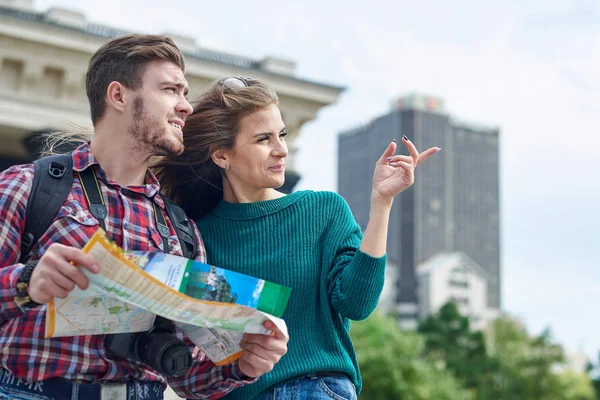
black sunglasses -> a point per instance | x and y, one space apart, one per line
235 82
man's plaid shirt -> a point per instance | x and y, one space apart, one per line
131 224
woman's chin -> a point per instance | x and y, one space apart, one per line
279 184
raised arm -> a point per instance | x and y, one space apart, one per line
357 275
393 174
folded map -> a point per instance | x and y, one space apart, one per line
212 306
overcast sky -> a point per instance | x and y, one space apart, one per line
529 67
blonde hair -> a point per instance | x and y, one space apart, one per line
55 142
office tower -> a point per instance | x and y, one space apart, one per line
454 203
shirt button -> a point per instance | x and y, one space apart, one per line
125 225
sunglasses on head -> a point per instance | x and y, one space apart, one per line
235 82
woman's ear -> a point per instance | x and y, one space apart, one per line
220 158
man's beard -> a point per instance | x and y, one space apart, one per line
150 134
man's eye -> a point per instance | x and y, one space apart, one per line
283 134
263 138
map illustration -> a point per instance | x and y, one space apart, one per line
103 314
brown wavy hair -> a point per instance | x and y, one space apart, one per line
192 179
124 59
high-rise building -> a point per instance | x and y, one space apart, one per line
454 203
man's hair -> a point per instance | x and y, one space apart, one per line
124 60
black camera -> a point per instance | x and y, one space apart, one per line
158 348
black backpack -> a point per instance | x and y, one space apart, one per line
52 181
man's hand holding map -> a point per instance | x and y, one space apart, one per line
212 306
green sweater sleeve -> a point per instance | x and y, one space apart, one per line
355 279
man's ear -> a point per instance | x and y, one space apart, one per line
117 96
220 158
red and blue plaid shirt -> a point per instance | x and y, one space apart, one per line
130 222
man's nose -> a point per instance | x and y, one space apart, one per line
184 107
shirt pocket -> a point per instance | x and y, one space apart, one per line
82 217
73 226
79 218
157 241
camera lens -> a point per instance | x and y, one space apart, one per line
165 353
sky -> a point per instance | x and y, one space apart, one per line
528 67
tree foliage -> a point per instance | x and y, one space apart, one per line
447 360
393 367
513 364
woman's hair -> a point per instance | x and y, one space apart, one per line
63 141
192 179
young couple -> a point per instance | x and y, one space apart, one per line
222 160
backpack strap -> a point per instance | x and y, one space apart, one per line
52 181
93 195
181 224
97 206
183 227
162 226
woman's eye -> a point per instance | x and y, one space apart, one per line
283 134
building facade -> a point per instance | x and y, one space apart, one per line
43 61
454 203
453 277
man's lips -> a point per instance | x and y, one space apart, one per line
179 123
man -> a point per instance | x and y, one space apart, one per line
137 94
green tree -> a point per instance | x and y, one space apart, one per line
393 367
533 367
449 339
511 365
574 386
594 374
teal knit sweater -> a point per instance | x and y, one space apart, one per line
307 241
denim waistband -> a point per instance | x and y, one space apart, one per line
64 389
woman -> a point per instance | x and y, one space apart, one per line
226 179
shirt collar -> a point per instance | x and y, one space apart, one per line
84 159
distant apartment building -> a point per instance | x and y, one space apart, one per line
387 299
453 277
453 205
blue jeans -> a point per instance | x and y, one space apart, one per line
312 387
